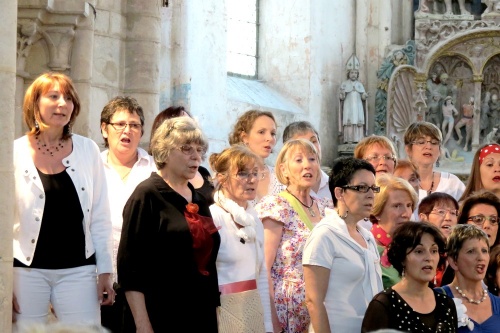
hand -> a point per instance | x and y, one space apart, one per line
15 308
105 286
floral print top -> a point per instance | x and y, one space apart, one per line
286 272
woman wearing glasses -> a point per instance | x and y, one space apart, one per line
126 165
257 130
423 147
245 301
482 209
441 210
288 219
393 206
169 243
484 171
202 182
468 254
379 151
341 262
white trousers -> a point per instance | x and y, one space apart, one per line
71 291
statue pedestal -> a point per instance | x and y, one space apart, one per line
346 150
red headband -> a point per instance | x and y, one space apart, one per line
489 149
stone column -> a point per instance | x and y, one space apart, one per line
478 80
142 57
8 17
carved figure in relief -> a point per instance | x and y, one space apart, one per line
446 89
449 111
434 110
467 121
485 112
352 97
492 136
432 85
494 115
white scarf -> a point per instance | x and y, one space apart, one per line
239 215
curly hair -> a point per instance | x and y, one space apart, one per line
245 123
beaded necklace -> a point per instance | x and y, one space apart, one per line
470 300
432 185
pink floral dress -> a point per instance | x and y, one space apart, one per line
286 272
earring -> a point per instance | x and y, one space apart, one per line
37 127
435 280
403 273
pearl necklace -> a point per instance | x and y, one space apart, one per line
309 208
49 150
470 300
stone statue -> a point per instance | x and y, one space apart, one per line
485 112
449 111
434 110
352 104
446 89
432 85
492 136
494 115
467 121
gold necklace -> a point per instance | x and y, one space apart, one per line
309 208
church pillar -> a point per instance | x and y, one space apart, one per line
8 17
142 57
478 80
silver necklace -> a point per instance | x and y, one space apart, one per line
470 300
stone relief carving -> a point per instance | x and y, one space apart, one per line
400 57
27 35
444 8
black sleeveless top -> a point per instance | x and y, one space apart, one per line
61 241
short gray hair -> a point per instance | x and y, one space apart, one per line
298 127
172 134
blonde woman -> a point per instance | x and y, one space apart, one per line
288 219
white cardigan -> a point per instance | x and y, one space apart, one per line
85 168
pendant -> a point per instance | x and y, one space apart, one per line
311 211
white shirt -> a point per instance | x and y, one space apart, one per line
448 183
324 189
86 170
355 273
120 191
238 262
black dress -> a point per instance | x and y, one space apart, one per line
156 258
207 189
389 310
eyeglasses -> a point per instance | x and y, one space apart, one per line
246 175
423 142
189 150
376 158
362 188
480 219
122 125
443 212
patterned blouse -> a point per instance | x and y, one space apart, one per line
286 272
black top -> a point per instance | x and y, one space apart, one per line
389 310
207 189
156 258
61 241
